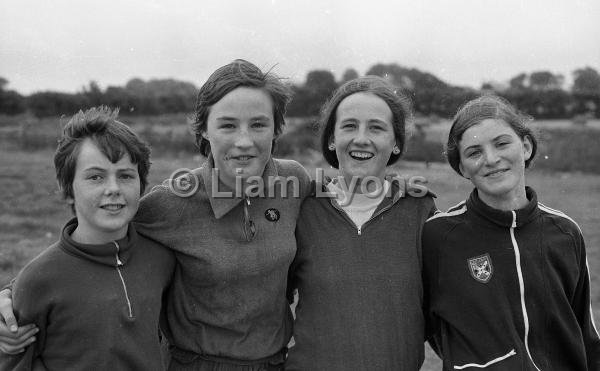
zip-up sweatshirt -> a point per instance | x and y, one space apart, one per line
97 306
359 288
509 290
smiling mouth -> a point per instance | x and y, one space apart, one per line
361 155
112 207
242 158
496 172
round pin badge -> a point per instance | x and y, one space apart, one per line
272 215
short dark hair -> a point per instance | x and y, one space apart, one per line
399 105
487 107
112 137
239 73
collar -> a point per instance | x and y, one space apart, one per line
103 253
222 205
504 218
393 194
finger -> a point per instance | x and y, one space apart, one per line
5 332
9 317
21 338
9 349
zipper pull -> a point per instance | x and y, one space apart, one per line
514 222
119 262
359 230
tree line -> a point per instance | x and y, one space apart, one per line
540 93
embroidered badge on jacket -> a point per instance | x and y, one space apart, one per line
481 268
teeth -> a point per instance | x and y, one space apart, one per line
112 207
242 158
362 155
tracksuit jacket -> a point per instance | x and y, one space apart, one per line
508 290
97 306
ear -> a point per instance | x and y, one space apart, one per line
527 147
70 200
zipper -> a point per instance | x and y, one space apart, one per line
376 214
521 285
118 268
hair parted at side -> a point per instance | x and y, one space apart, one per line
239 73
487 107
113 138
399 104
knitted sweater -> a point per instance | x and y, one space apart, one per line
228 294
359 289
97 306
509 290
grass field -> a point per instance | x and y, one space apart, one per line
32 212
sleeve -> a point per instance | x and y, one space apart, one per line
28 291
430 279
158 212
582 307
295 270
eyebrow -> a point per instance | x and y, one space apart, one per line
493 140
97 168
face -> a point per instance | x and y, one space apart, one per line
364 136
240 128
493 157
105 195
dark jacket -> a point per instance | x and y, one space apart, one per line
509 290
97 306
360 291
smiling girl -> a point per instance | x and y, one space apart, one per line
506 277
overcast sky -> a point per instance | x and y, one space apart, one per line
62 45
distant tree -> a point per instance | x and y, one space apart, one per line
308 99
349 74
93 94
545 80
518 82
50 103
11 102
586 91
586 81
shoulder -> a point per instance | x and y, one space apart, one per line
561 220
291 168
41 273
443 221
171 197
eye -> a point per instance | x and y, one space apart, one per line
259 124
127 176
226 126
473 154
94 177
348 125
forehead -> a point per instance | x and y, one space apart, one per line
90 156
486 130
363 105
242 101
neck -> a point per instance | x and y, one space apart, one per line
358 185
514 200
85 236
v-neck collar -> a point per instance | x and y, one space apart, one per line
221 205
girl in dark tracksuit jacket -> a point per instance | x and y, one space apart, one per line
506 278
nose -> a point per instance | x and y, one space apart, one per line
491 157
112 186
243 139
361 136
